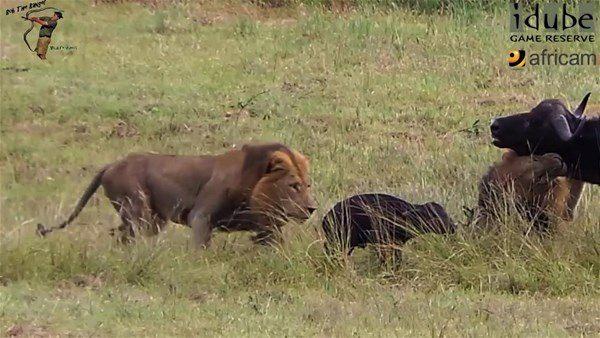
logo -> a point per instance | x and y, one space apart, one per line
557 23
516 58
519 58
45 19
553 22
553 17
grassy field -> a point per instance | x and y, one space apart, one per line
394 101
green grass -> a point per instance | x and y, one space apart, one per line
391 101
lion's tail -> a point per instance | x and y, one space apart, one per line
91 189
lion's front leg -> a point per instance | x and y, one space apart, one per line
268 229
575 190
201 217
201 229
268 237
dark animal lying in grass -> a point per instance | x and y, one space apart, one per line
380 219
255 188
551 128
532 185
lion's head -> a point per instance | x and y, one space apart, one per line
527 181
285 190
529 176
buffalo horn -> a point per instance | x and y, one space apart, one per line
579 111
562 129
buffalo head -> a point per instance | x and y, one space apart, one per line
549 126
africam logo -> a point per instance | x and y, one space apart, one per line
516 58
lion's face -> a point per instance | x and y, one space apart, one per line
284 191
534 173
530 178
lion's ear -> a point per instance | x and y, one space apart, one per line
302 161
300 157
279 162
509 155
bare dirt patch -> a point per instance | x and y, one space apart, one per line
27 330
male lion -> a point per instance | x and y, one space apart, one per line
532 184
255 188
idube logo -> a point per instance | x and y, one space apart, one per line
553 22
516 58
557 23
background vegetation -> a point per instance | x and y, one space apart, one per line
381 98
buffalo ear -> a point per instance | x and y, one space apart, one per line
509 155
279 161
579 111
562 128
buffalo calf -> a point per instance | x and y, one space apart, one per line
380 219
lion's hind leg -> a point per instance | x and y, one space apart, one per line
137 217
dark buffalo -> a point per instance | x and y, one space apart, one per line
551 128
381 219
